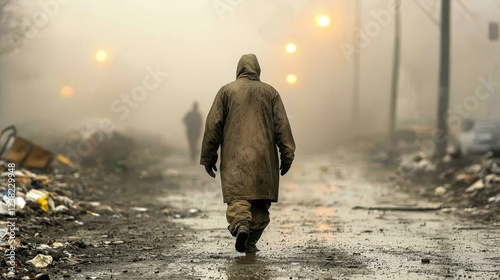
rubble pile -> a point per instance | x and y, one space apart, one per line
474 187
43 211
31 206
416 163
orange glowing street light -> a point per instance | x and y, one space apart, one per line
323 20
291 48
102 56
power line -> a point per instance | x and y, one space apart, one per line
426 12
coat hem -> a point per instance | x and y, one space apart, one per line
229 200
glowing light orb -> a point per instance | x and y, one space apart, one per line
323 21
291 48
67 91
291 79
101 56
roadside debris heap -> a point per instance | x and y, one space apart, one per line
45 196
474 187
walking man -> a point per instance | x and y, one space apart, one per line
248 121
193 123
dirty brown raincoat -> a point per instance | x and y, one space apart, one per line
248 121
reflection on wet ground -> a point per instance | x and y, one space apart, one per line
315 234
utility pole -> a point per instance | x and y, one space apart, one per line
441 137
357 43
395 70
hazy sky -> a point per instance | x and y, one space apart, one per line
196 44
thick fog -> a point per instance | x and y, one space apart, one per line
164 55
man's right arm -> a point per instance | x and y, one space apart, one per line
283 135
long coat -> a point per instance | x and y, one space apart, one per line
248 121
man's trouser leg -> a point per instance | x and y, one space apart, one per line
253 214
260 220
238 213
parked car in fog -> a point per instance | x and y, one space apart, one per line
480 137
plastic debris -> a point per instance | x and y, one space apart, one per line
41 261
4 208
19 203
41 198
439 191
115 242
93 214
60 209
58 245
43 247
476 186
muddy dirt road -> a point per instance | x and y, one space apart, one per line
314 232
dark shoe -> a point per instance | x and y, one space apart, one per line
251 248
242 238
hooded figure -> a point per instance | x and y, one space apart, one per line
193 123
249 122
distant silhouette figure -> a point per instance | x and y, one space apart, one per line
193 123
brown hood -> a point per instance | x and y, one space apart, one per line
248 68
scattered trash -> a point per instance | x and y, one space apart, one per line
41 198
418 162
447 158
43 247
116 242
23 152
10 275
494 199
41 261
92 213
475 187
58 245
487 182
139 209
42 276
49 197
60 209
94 204
439 191
4 208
